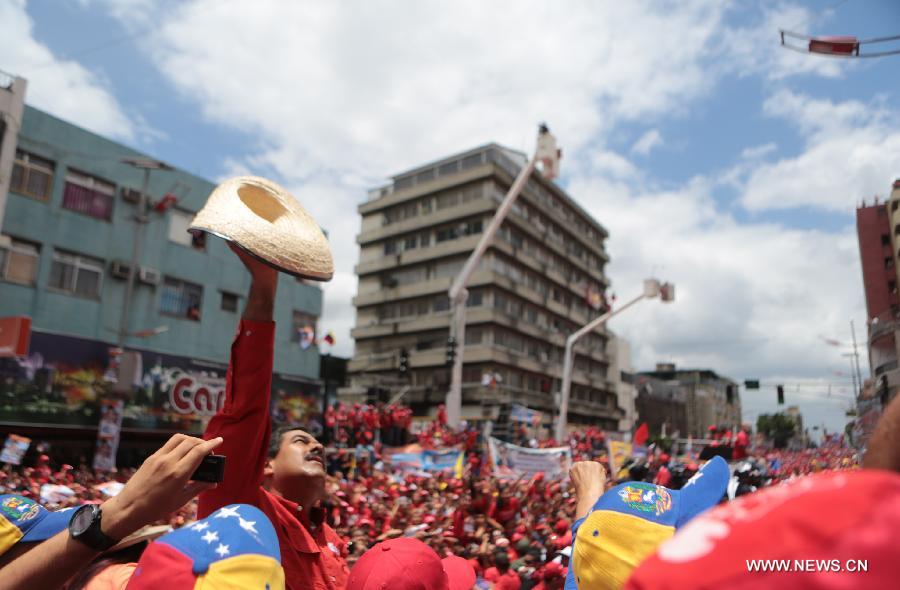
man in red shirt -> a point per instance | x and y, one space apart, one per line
282 473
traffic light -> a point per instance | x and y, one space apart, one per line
451 350
404 361
780 389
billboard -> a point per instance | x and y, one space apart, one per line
63 381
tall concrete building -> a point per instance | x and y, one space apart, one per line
541 279
709 399
878 230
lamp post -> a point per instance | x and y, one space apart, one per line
547 153
652 288
140 218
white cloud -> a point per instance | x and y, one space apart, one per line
751 299
647 142
342 95
851 152
61 87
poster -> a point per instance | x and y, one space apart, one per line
413 458
15 448
64 379
619 453
108 435
512 461
520 413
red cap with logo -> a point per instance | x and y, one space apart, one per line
409 564
831 530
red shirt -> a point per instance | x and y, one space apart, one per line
311 552
508 581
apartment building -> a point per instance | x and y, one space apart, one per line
542 278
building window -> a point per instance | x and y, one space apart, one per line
390 247
76 274
181 299
32 176
88 195
441 303
229 301
303 327
179 222
885 240
19 262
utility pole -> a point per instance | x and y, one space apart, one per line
652 288
856 358
140 219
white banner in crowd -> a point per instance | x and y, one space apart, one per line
520 413
108 435
513 461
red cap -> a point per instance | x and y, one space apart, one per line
786 523
664 458
460 574
401 564
553 570
562 525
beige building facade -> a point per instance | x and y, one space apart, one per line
542 278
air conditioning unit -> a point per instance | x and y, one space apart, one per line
130 195
149 276
119 269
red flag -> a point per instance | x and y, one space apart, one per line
641 434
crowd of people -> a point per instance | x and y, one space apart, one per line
289 512
523 525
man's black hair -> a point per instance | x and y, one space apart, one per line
501 561
278 434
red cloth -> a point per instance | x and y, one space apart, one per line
508 581
641 434
311 555
663 476
830 519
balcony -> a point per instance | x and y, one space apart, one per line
882 325
886 367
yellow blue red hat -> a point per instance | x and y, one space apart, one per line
24 520
631 520
235 547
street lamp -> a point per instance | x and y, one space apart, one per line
548 154
140 218
652 288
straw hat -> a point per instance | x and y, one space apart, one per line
268 222
147 533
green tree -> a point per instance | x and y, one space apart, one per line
778 428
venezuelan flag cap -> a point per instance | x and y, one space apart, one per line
23 519
234 548
631 520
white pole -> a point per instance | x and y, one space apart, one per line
458 293
651 289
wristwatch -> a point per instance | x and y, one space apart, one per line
84 526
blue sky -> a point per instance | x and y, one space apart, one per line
717 159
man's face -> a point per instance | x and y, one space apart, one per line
300 456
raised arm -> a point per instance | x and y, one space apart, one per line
244 420
883 451
161 486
